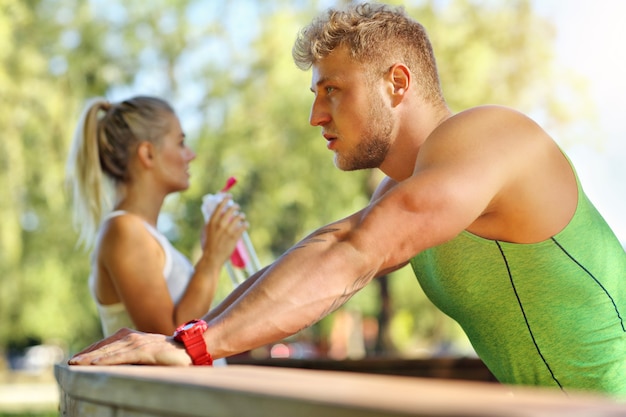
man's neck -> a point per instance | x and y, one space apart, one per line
413 130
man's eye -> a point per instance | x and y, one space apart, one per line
329 90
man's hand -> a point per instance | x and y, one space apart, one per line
132 347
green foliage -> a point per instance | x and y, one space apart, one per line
37 257
245 108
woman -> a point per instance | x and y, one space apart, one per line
126 158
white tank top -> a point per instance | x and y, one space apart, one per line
177 272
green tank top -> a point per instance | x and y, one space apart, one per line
547 314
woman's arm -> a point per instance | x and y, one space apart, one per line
220 236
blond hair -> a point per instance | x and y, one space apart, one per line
376 35
105 139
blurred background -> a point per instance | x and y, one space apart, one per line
227 69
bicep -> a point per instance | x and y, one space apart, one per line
431 207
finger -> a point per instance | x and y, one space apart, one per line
238 221
243 223
224 204
232 210
227 217
220 208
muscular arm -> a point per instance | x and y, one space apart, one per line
322 272
298 289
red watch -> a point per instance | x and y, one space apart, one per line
191 334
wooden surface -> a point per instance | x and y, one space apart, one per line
468 369
245 390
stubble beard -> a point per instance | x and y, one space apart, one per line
372 150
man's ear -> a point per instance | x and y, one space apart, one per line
400 80
145 154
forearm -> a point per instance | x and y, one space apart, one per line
239 291
200 292
307 283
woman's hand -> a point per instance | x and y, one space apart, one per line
223 230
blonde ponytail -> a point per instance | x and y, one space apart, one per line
92 191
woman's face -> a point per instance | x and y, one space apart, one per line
172 157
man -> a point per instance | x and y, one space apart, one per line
483 204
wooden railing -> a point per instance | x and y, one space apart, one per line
463 368
250 390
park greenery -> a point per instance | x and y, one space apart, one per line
227 69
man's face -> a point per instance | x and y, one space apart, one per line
350 108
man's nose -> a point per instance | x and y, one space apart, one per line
319 114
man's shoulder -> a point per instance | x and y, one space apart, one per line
490 108
490 113
474 128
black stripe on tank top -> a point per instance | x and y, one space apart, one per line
621 321
519 302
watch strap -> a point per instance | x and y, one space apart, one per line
191 335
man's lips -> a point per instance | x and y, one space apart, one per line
331 140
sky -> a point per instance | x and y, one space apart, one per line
590 39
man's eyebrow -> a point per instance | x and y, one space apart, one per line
319 82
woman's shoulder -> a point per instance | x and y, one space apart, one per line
126 237
121 227
120 218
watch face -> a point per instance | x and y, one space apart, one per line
188 326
